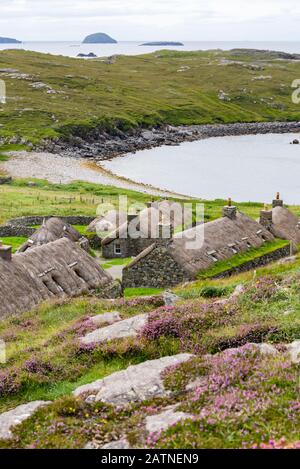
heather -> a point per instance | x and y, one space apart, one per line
237 396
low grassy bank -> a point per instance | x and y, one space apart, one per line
221 267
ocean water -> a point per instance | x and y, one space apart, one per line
72 48
246 168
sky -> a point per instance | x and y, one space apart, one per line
129 20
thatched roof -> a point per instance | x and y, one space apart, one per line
148 220
108 222
51 230
54 269
285 225
142 222
172 212
218 240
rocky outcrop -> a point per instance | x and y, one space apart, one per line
294 351
127 328
99 38
106 318
12 418
136 383
90 55
161 422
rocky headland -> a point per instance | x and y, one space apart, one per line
101 145
8 40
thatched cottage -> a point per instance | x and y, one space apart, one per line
45 272
179 260
136 234
51 230
156 223
108 222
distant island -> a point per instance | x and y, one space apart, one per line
162 43
99 38
8 40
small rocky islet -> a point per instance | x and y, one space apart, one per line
99 38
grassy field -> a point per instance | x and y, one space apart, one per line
131 92
79 198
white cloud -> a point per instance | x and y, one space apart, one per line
146 19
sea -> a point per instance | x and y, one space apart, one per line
73 48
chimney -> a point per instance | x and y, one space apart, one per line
277 202
266 218
165 231
5 252
131 217
229 210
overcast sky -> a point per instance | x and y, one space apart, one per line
151 19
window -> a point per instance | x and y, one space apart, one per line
118 249
213 256
233 247
57 283
80 274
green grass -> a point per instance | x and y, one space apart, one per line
81 198
136 292
130 92
240 259
115 262
14 241
48 338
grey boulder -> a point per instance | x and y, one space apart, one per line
12 418
136 383
126 328
164 420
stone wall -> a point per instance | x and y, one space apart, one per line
19 231
158 269
258 262
38 220
129 247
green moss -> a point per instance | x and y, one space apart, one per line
240 259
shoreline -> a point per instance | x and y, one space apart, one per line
73 164
98 145
60 169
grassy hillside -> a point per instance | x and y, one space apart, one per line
21 198
164 87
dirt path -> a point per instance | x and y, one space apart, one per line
62 169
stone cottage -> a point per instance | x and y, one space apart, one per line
194 250
281 222
136 234
52 270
